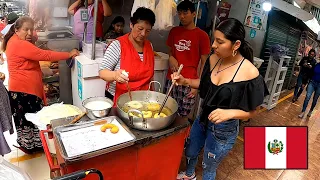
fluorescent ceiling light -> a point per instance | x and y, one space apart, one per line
266 6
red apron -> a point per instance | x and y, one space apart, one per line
140 72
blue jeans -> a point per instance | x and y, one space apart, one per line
216 139
299 88
313 87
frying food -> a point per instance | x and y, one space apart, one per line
153 106
113 128
135 104
148 109
157 115
146 114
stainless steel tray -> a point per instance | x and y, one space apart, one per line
58 131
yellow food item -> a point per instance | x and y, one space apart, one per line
146 114
159 116
153 106
114 128
131 114
135 104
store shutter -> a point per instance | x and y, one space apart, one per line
282 30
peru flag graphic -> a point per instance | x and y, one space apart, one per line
276 147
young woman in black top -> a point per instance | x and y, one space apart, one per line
232 89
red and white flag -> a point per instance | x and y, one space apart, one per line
276 147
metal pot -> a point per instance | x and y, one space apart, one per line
147 124
94 114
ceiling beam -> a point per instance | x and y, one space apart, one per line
292 10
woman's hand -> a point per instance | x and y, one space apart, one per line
221 115
74 53
2 76
180 80
120 77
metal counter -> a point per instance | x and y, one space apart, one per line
142 137
128 160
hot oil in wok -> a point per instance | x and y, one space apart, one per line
150 109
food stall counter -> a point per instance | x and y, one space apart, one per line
153 155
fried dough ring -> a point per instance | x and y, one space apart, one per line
162 115
146 114
135 104
153 106
113 128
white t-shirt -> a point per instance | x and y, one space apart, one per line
6 29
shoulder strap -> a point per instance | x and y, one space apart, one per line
237 70
215 65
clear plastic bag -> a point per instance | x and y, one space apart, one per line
143 3
164 12
54 111
9 171
277 51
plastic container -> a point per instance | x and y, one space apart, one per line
100 49
9 171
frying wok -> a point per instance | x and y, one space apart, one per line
147 124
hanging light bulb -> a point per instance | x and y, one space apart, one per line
267 6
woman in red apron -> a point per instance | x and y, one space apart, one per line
132 53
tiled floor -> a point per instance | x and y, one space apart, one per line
285 114
35 166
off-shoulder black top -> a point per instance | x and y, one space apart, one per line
243 95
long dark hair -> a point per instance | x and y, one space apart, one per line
17 25
81 4
234 30
115 21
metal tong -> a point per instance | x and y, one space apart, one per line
170 89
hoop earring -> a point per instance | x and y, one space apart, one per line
234 53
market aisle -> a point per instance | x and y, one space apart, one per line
285 114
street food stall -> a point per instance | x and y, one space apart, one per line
141 155
118 144
140 138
